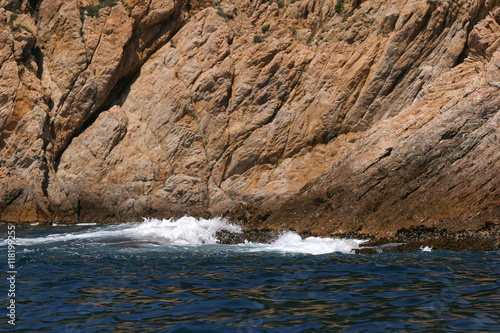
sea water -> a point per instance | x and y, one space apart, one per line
172 276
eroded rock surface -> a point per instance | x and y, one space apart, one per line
381 116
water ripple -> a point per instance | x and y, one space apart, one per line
82 288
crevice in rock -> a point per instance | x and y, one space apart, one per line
386 91
58 158
462 56
368 190
120 91
10 198
55 12
45 181
123 83
37 53
406 194
45 167
50 104
483 13
122 86
226 166
386 154
275 112
450 134
13 6
417 60
78 210
33 6
227 100
90 120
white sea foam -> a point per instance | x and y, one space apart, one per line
184 231
425 249
189 231
292 242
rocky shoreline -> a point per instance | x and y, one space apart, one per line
406 240
256 227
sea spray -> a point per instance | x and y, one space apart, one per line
292 242
185 231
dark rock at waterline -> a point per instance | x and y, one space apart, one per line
248 215
416 238
446 244
366 250
406 240
255 236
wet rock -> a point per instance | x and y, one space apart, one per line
416 238
254 236
365 250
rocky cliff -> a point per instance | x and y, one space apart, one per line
324 116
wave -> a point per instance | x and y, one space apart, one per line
292 242
188 231
184 231
425 248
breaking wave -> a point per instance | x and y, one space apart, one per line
292 242
186 231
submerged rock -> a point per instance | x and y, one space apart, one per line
365 250
254 236
420 237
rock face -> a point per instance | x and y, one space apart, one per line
373 117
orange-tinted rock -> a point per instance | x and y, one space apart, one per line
381 117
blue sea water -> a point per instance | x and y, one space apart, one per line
172 276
